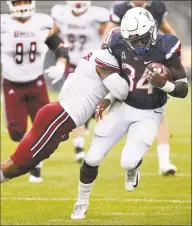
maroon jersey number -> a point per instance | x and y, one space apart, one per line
20 52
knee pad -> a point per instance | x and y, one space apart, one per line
130 164
16 136
88 173
93 160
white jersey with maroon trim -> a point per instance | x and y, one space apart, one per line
22 47
84 88
81 32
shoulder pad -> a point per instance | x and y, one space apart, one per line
46 20
4 19
171 46
57 10
101 17
112 38
159 7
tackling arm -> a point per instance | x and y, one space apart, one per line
116 85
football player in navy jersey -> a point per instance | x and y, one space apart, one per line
152 65
158 11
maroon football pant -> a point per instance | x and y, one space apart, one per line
51 126
21 100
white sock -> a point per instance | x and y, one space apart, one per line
78 142
3 179
84 192
39 165
163 151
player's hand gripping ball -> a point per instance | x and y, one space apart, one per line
157 74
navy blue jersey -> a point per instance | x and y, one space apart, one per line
156 8
142 94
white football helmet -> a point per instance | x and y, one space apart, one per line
139 26
79 6
23 11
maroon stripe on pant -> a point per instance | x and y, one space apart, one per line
46 136
46 128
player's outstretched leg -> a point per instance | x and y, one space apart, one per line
106 135
163 150
51 126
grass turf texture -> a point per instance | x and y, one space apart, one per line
157 201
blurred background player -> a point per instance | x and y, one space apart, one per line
158 10
82 26
23 36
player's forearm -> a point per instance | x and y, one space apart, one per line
102 28
180 89
55 43
110 97
166 28
177 89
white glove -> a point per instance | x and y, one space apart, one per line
55 72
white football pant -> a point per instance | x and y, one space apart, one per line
140 125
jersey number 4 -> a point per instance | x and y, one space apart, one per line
142 84
20 52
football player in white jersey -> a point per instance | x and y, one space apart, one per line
23 36
82 26
95 76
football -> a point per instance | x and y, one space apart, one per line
160 68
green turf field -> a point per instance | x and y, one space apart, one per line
157 201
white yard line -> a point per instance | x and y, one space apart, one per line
156 174
97 199
138 214
89 220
